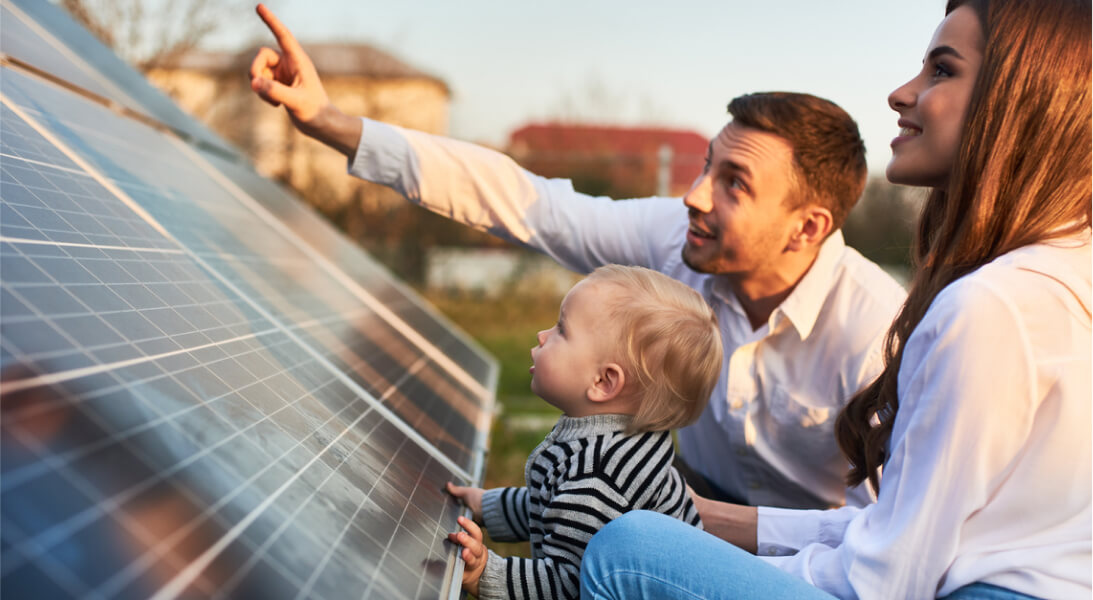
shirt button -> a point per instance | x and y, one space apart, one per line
755 485
742 451
736 404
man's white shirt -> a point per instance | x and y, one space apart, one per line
766 435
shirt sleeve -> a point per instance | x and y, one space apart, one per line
505 514
579 508
488 191
966 407
784 531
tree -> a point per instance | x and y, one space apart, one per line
881 225
154 33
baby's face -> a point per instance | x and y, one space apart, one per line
568 358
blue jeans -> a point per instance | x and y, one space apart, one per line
649 555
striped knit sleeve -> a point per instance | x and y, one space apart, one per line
505 513
578 509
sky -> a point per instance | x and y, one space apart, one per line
671 63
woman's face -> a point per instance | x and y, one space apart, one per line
931 106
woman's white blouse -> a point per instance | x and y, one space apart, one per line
989 472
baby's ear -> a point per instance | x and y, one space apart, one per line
608 383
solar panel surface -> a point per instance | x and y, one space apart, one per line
205 390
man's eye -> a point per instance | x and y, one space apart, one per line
737 184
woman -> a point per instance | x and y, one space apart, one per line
981 420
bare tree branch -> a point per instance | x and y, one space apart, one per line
156 33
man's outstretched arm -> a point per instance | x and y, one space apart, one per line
289 78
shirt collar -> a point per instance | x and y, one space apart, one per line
802 307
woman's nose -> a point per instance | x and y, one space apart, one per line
902 97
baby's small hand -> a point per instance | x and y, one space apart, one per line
471 497
474 553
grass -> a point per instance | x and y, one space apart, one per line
506 327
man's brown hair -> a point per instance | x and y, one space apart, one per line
828 152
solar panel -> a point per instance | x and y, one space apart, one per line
40 36
206 391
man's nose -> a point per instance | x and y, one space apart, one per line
698 197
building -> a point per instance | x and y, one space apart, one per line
620 162
360 80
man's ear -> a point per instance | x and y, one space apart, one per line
608 383
813 225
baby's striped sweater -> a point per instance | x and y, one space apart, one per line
584 474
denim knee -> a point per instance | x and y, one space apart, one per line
610 548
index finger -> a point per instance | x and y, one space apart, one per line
471 527
284 37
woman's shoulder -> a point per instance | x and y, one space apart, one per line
1056 272
1039 294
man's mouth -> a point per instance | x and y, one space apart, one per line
699 232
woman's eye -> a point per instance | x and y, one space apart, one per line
941 70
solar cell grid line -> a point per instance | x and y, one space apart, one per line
110 387
415 461
355 287
360 267
90 442
231 375
295 291
334 540
113 330
243 270
193 569
71 70
442 410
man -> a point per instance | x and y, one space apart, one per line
802 316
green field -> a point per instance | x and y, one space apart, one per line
506 327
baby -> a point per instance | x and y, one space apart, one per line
634 354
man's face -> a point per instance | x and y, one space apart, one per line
739 222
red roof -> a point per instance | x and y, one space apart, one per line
540 143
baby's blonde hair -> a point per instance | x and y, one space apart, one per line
671 345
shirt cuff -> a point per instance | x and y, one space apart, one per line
493 584
493 516
784 531
384 156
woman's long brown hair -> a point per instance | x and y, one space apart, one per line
1021 176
